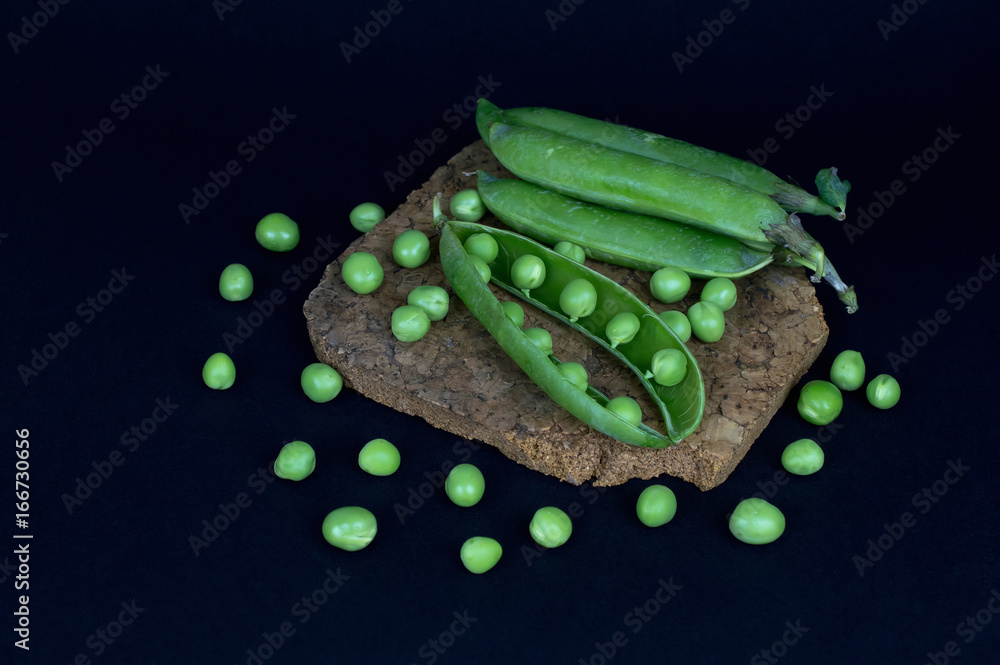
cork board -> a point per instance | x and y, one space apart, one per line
458 379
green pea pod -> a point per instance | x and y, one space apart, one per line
641 185
681 406
623 239
662 148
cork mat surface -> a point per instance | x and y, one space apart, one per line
458 379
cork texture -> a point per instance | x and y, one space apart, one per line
459 380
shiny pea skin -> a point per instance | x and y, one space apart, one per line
350 528
295 461
708 322
235 282
467 206
434 300
379 457
365 216
883 392
721 291
803 457
411 248
570 250
320 382
541 337
409 323
578 299
277 232
482 245
550 527
465 485
848 370
514 311
820 402
576 373
219 372
362 272
669 285
656 506
756 522
481 267
668 367
625 408
622 328
480 554
677 322
527 272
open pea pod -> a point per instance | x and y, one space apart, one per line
681 405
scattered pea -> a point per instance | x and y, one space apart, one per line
622 328
219 372
677 322
434 300
657 505
467 206
669 285
708 323
576 373
756 522
848 370
362 272
365 216
570 250
721 291
235 282
411 248
320 382
465 485
883 391
802 457
820 402
550 527
409 323
578 299
625 408
295 461
350 528
479 554
277 232
482 245
379 458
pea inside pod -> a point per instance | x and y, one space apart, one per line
681 405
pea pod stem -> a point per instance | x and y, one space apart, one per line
845 293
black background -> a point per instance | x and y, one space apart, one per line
892 91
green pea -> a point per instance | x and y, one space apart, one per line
578 299
848 370
409 323
883 391
465 485
481 267
668 367
434 300
820 402
527 272
365 216
411 248
277 232
576 373
657 505
541 337
479 554
756 522
320 382
467 206
362 272
379 458
677 322
235 282
550 527
482 245
669 285
625 408
296 460
622 328
802 457
708 323
570 251
721 291
350 528
514 311
219 372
